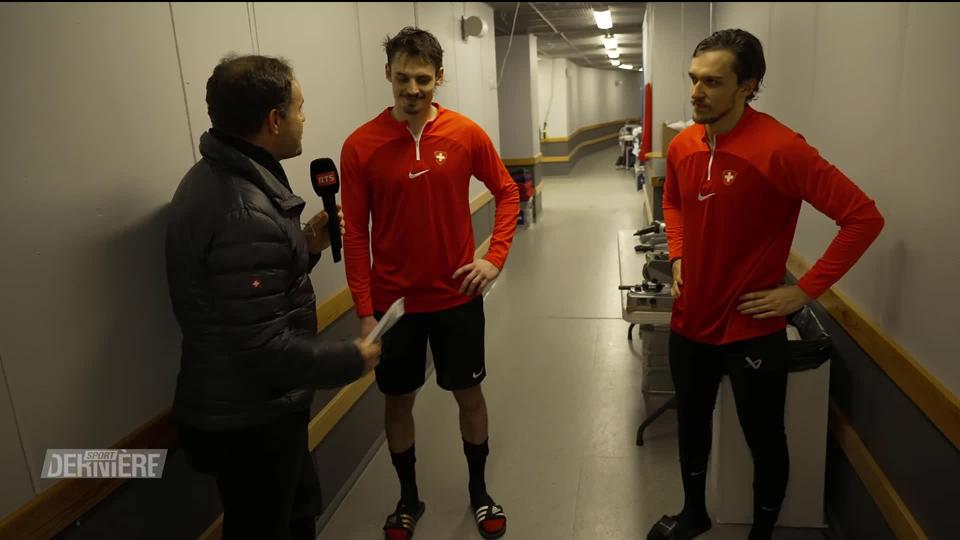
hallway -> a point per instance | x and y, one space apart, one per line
563 393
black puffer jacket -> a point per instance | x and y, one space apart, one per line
238 270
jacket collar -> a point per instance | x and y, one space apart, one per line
229 156
401 126
745 119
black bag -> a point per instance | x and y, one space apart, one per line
814 346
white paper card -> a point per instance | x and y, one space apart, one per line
389 319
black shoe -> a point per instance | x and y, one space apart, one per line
679 527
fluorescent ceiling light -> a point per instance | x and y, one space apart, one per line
604 19
613 53
639 69
610 42
615 62
625 66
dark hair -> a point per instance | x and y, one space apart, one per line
416 43
748 62
243 89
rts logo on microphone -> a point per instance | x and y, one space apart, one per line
325 179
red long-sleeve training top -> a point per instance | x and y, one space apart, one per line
417 193
731 213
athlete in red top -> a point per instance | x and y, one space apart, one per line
409 171
735 183
731 202
416 187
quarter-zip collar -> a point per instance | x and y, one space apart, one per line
405 125
714 145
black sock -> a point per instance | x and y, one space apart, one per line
694 496
476 462
764 519
404 463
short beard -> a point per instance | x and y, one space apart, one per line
705 119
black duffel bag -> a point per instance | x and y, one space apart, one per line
814 346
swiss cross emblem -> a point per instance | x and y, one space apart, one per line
440 156
729 177
256 283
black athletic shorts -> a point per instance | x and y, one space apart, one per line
456 341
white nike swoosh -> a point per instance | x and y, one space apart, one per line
705 197
414 175
477 375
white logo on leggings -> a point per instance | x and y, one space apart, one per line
477 374
755 364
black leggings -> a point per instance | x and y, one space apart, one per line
758 374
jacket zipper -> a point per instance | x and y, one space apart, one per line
416 139
713 150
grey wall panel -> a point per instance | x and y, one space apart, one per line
322 42
180 506
345 451
694 27
477 70
14 474
921 196
91 348
553 97
206 32
482 222
377 22
850 506
517 117
921 463
788 87
675 28
442 19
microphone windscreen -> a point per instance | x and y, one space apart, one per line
323 176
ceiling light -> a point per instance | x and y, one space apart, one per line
615 53
625 66
615 62
639 69
610 42
604 19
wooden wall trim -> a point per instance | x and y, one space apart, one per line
64 502
937 402
480 201
567 158
589 128
894 510
523 162
333 308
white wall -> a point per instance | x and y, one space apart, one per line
109 109
673 31
602 95
519 89
871 87
553 97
